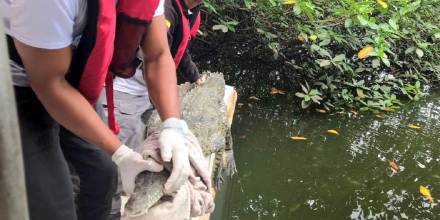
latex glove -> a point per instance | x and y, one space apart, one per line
172 147
130 164
201 80
198 161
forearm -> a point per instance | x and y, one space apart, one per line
162 85
160 71
69 108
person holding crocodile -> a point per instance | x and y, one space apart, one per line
182 18
60 53
132 100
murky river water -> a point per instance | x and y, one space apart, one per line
344 176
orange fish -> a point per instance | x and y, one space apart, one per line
393 165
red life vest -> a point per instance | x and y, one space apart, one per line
133 18
196 26
187 32
90 64
92 57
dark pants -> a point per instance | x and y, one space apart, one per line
97 176
48 183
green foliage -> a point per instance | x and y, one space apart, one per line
325 43
225 26
309 96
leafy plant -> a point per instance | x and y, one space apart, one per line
364 54
308 96
225 25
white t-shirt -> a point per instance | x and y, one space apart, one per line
47 24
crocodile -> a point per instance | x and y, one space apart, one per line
204 110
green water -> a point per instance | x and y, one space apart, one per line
329 176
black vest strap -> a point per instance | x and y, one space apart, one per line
13 53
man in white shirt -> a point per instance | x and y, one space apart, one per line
53 114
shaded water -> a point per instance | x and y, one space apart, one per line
328 176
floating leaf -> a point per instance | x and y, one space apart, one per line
413 126
274 90
393 165
332 131
380 116
254 98
382 4
426 193
313 37
298 138
320 110
362 54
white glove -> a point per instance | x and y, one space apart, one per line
172 147
130 164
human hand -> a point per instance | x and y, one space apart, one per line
130 164
173 149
